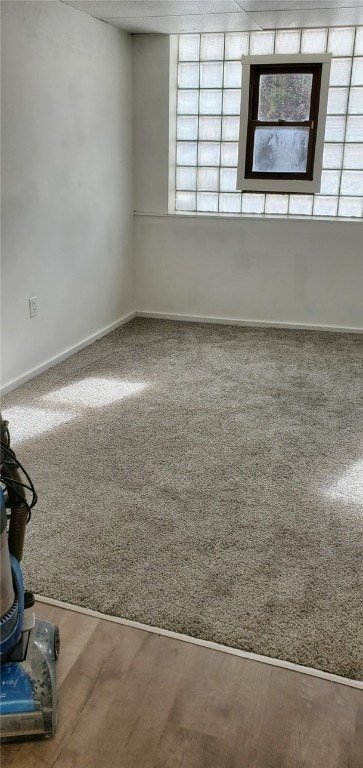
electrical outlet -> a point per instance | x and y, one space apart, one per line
33 307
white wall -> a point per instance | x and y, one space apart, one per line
151 122
290 271
67 180
70 85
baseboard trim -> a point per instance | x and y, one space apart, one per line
204 643
246 323
67 353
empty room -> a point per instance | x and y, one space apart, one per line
181 376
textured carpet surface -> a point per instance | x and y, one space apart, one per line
204 479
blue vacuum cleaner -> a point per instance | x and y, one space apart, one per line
29 648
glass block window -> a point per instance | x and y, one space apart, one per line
208 107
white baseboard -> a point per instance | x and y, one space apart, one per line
204 643
247 323
67 353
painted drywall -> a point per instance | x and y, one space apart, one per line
67 181
290 271
151 122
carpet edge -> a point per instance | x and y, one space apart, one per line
328 676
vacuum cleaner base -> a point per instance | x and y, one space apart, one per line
28 696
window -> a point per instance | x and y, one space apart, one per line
281 131
283 111
207 117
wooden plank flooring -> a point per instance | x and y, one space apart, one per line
133 699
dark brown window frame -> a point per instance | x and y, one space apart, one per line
312 123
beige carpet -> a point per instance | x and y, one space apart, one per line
204 479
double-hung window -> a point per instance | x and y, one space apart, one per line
283 110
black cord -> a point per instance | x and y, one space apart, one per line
9 482
17 463
7 434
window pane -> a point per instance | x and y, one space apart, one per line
341 41
325 206
212 47
230 203
354 128
208 179
313 41
186 178
284 96
188 76
301 205
210 102
188 102
337 101
230 128
352 183
188 47
334 128
208 153
253 203
229 154
333 156
358 48
186 153
355 101
357 72
276 204
231 102
261 43
353 156
232 74
228 179
236 44
207 201
210 128
280 150
340 71
185 201
211 75
351 206
288 41
330 181
187 128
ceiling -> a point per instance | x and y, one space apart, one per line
175 16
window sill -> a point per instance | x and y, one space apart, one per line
245 216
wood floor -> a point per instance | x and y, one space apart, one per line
132 699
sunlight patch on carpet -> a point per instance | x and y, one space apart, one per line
95 392
349 487
26 422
